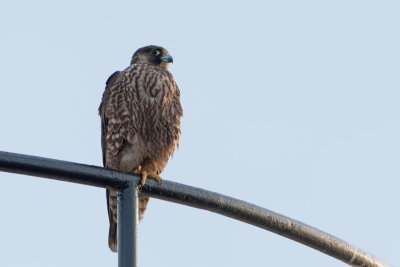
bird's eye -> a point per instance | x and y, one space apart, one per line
155 52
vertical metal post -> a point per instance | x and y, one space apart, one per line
127 226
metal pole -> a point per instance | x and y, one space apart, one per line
127 226
190 196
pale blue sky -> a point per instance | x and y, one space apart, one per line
290 105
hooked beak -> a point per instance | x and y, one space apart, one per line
167 58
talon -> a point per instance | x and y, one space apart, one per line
138 170
144 174
144 177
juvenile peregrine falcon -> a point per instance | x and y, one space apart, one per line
140 121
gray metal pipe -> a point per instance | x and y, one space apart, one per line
128 218
194 197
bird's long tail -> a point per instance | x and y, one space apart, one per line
112 237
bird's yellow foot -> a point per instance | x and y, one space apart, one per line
150 175
138 170
144 174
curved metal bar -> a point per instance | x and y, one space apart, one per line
194 197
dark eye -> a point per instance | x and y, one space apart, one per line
155 52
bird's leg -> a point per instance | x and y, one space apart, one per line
138 170
144 174
151 175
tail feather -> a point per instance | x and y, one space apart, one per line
143 201
112 237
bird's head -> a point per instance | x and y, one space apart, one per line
153 55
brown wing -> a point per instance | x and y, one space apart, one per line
110 83
105 110
116 120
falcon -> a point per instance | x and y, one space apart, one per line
140 123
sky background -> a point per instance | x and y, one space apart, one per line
290 105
